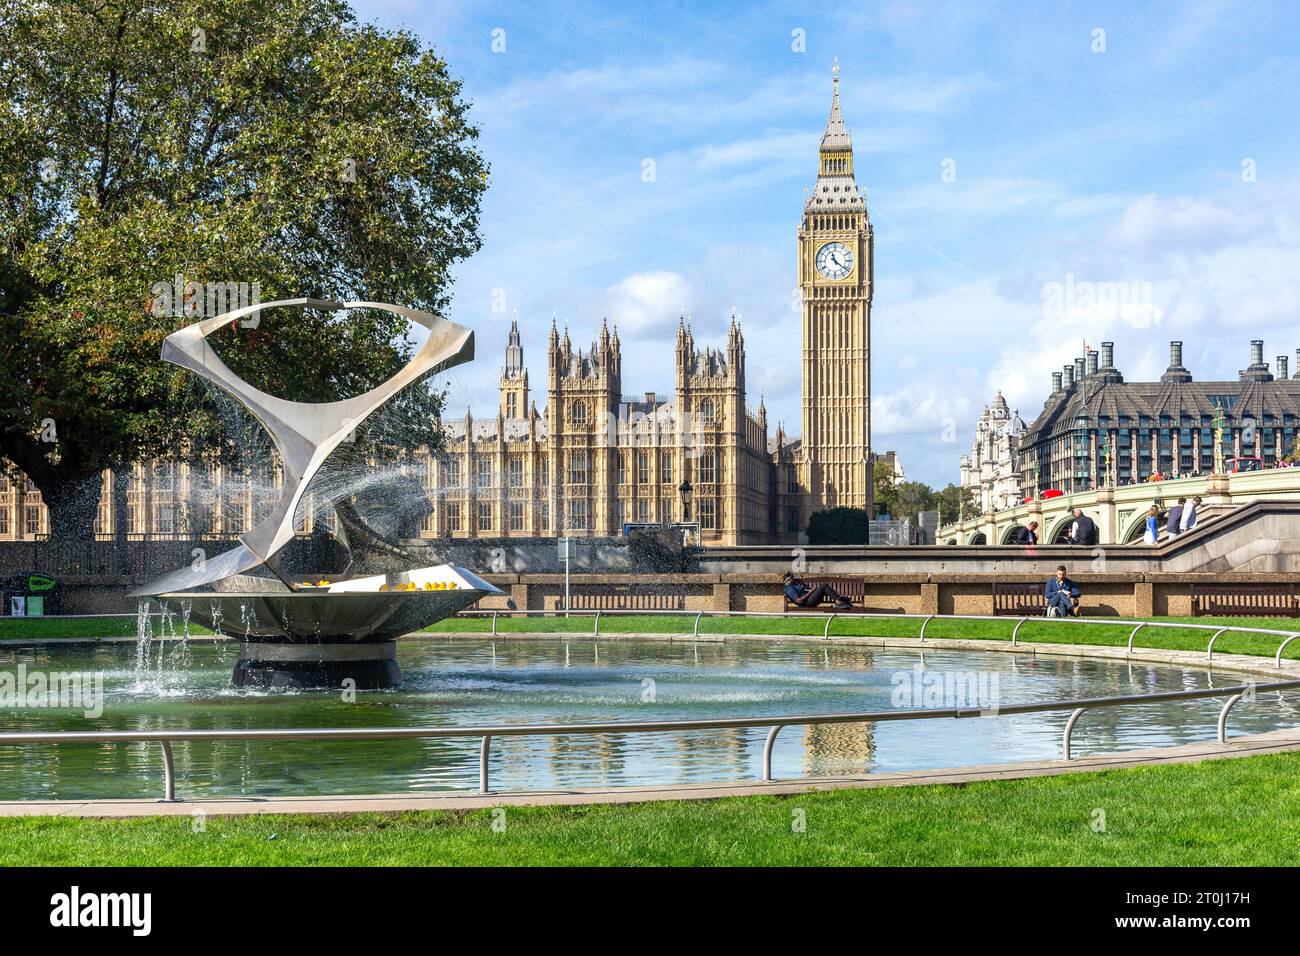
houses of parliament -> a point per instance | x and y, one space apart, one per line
595 458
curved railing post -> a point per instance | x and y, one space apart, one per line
169 773
595 630
696 632
1209 651
1069 730
483 750
1133 635
925 624
1015 632
826 632
1278 659
1223 718
494 624
767 751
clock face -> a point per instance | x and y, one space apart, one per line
834 260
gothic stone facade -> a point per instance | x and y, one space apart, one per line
597 459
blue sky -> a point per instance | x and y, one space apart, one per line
1121 165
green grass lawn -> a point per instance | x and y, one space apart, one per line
1223 812
847 625
875 625
83 628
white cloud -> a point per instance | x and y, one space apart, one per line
1182 225
648 303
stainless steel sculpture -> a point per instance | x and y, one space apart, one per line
322 634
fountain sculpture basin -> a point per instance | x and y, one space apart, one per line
327 633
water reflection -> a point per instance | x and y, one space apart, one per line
461 681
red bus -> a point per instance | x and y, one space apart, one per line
1236 466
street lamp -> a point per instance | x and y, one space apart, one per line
684 492
1219 422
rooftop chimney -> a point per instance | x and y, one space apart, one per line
1056 377
1107 374
1281 366
1257 371
1078 370
1092 362
1068 373
1297 363
1176 372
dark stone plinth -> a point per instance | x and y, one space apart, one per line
325 666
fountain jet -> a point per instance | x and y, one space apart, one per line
321 632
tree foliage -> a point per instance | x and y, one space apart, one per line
838 526
277 142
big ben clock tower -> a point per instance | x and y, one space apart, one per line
835 276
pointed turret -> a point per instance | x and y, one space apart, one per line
837 134
836 190
514 376
514 366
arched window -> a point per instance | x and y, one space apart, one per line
579 413
706 411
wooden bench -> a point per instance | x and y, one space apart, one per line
855 589
627 597
1245 600
1022 600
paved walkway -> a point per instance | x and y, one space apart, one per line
1277 741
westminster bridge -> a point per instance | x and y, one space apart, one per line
1120 512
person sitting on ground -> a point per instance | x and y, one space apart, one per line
1062 595
1084 529
800 594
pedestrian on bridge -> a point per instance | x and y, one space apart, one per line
1083 530
1153 525
1173 522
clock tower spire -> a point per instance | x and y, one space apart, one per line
835 285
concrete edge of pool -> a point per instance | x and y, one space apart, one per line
1275 741
1272 742
1244 663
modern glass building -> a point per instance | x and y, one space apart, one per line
1097 429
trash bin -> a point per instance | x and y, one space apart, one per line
31 595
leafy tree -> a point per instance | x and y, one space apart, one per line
1294 455
838 526
913 498
270 141
884 491
954 500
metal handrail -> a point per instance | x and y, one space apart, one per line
925 619
487 732
494 614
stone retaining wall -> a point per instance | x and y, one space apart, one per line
1104 594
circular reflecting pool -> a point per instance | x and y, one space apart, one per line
463 681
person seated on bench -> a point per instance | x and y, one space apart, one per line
800 594
1062 595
